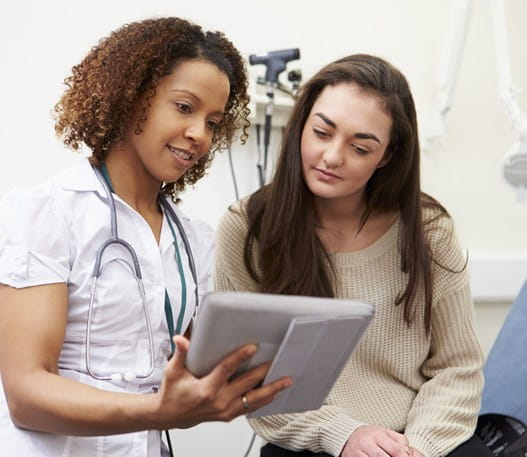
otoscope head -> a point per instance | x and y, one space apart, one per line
275 61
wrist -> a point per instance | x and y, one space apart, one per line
143 409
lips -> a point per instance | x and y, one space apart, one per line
181 153
327 174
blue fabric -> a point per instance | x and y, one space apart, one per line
505 370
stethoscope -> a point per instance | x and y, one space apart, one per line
103 177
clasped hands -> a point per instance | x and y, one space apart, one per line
376 441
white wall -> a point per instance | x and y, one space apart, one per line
41 41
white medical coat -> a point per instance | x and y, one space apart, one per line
49 234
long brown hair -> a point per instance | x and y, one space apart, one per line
282 219
104 90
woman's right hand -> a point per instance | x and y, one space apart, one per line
376 441
184 400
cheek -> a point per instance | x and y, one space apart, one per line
205 149
306 151
368 170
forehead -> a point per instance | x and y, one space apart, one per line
350 106
201 79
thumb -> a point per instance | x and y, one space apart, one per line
180 353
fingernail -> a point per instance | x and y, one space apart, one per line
251 350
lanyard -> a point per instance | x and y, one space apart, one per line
168 306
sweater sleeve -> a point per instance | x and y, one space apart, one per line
323 430
445 410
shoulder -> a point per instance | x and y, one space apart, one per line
440 233
449 259
234 222
231 234
34 237
29 204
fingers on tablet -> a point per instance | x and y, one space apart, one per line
263 395
227 367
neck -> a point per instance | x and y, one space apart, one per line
132 182
339 215
339 225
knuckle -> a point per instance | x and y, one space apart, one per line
227 416
254 378
227 368
207 395
221 405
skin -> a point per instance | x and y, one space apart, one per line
343 142
178 131
188 104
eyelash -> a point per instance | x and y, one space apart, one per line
321 134
360 150
213 125
185 108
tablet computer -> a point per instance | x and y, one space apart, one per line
312 336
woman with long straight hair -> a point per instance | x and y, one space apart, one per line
344 216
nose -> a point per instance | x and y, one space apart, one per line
196 132
333 156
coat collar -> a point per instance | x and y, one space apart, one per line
81 178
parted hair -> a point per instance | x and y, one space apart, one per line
290 258
104 90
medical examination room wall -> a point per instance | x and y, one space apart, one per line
41 41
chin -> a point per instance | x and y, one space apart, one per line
323 191
171 175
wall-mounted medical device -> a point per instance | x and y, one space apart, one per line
275 63
514 165
433 121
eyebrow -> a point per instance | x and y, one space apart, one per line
360 135
188 92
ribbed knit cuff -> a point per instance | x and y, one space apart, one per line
335 433
424 446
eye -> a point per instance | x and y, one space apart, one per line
320 133
184 108
360 150
213 125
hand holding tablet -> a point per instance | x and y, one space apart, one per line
308 338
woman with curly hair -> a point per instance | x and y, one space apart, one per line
86 366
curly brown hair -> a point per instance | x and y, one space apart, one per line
104 89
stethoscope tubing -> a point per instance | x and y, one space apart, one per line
97 271
192 266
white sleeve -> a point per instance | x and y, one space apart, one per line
34 241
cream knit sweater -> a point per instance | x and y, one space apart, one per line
399 377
